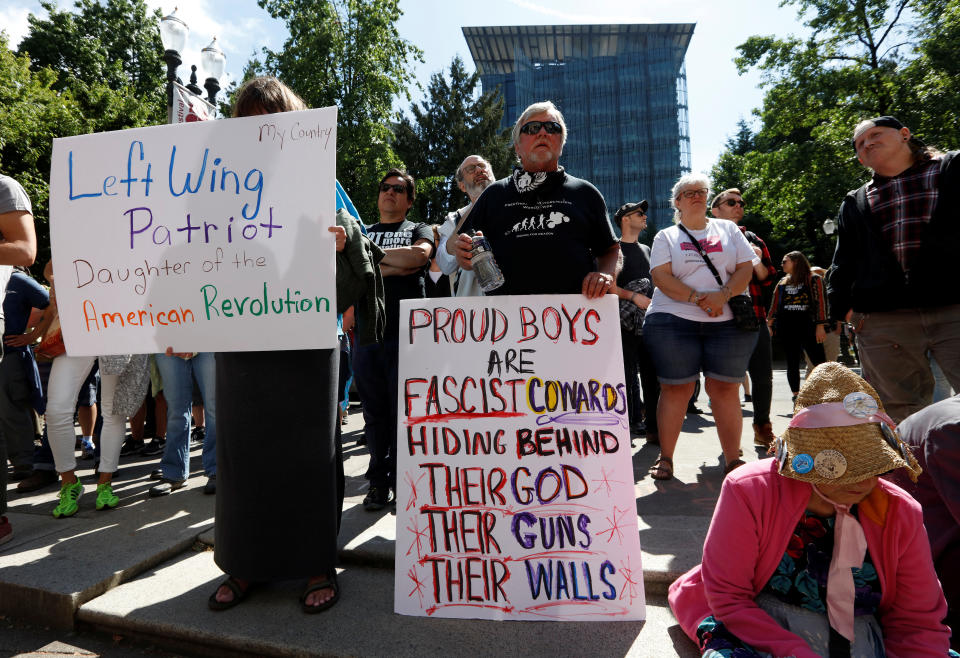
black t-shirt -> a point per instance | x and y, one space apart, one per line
636 263
395 288
545 239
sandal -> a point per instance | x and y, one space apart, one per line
736 463
327 583
662 469
239 594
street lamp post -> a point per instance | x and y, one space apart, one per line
173 35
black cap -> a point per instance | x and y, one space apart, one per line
628 208
885 121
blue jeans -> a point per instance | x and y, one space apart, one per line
177 375
681 348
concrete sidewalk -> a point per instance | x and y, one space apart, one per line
145 569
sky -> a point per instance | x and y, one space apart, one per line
718 96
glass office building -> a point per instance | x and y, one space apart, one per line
622 91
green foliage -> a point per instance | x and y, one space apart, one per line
94 70
108 55
452 123
860 59
32 114
347 53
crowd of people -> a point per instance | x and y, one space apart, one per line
810 552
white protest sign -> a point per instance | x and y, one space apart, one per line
204 236
515 490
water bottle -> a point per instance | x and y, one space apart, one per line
485 268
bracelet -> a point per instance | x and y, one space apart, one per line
726 289
693 293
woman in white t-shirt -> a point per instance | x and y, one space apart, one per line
689 326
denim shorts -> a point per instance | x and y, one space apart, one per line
681 348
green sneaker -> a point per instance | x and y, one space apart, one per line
69 500
106 499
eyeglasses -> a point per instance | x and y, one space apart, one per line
689 194
469 169
399 189
733 202
533 127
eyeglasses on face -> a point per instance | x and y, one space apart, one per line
533 127
399 189
689 194
735 202
469 169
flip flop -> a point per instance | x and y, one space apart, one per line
239 594
328 583
662 469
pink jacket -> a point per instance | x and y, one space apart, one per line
752 524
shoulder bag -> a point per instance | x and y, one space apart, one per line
741 306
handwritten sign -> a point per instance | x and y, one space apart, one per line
515 491
204 236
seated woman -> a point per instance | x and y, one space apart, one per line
810 554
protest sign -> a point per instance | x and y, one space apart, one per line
515 490
203 236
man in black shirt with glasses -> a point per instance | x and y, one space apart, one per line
549 230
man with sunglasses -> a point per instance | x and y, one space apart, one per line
473 176
549 231
408 246
729 205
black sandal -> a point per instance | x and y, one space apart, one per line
662 469
329 582
239 594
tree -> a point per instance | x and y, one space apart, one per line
107 55
453 122
347 53
32 114
93 70
860 59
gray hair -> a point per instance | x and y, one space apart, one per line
685 181
539 108
459 174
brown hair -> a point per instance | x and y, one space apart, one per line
920 151
265 95
801 268
717 199
407 178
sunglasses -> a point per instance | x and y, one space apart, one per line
533 127
732 203
399 189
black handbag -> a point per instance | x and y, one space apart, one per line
741 306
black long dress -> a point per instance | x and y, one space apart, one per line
279 464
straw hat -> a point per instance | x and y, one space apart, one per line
840 432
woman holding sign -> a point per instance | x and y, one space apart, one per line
811 554
278 502
698 267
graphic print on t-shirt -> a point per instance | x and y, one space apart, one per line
391 239
710 245
795 298
538 223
